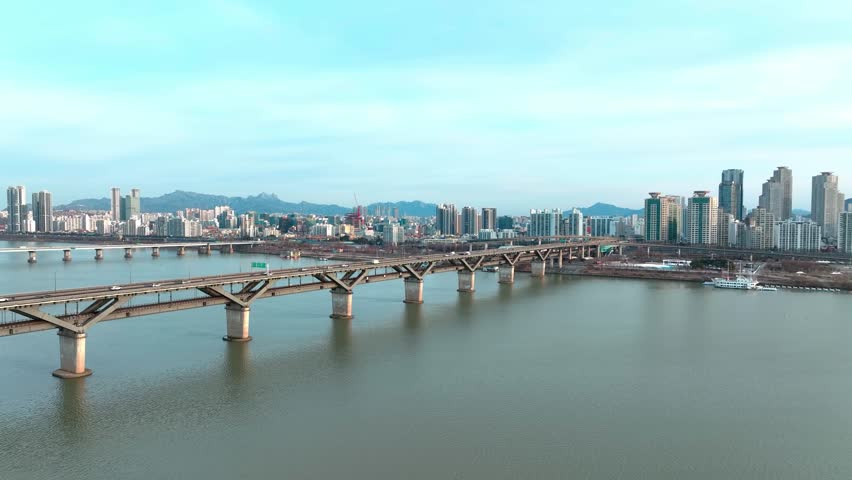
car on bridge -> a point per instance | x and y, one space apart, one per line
115 287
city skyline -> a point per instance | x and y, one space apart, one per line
486 106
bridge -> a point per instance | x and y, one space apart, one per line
205 248
75 311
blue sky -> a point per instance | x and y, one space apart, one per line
510 104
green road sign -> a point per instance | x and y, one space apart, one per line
258 264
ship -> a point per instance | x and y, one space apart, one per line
740 283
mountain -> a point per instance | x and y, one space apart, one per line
261 203
799 212
607 210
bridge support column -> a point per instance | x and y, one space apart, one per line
560 259
507 274
467 281
227 249
32 258
237 317
155 252
128 253
99 254
72 355
66 255
413 290
205 250
341 304
537 268
181 251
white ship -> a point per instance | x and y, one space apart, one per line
741 283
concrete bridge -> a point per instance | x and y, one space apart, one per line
204 248
75 311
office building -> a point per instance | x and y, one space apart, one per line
469 221
545 223
505 223
16 206
793 235
731 193
42 211
489 218
115 203
826 203
445 219
663 218
777 194
844 232
130 206
703 219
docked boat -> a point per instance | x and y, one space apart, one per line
491 269
740 283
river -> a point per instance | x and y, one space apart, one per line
558 377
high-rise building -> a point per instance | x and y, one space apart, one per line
731 193
844 232
603 226
759 232
42 209
545 223
848 205
703 219
393 234
826 202
777 194
797 235
724 230
130 205
573 223
663 218
505 223
469 221
16 208
445 219
115 203
489 219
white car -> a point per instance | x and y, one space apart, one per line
155 285
115 287
4 300
374 262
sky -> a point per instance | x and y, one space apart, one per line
515 105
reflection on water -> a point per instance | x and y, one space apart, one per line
72 411
341 341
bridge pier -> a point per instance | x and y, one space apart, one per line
228 249
341 304
181 251
99 254
205 250
507 274
537 268
155 252
66 255
72 355
560 259
467 281
237 318
413 290
128 253
32 258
